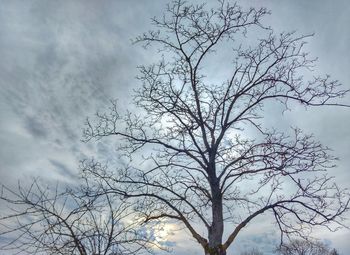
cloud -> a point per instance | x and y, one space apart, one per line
62 61
63 169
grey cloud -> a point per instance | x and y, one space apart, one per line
35 127
63 169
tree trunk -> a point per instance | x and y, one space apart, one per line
216 229
213 251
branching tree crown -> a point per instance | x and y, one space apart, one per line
201 168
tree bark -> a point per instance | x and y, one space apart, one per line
216 229
213 251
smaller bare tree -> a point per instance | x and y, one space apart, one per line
253 251
74 221
334 252
305 247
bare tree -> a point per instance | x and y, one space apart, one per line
208 161
252 252
304 247
334 252
46 221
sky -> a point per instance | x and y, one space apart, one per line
61 61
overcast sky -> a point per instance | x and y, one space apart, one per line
60 61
